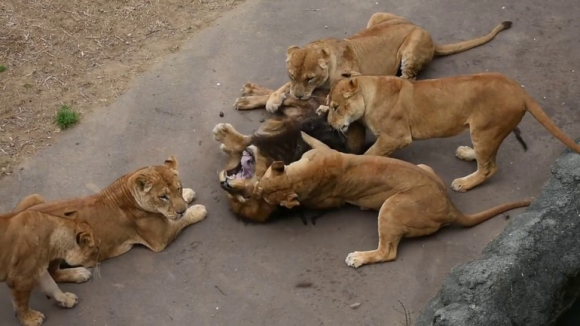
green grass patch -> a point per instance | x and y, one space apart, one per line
3 68
66 117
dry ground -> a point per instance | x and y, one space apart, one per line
82 53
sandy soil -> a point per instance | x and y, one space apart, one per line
83 54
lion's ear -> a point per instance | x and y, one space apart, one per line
291 201
144 183
352 88
291 50
278 167
350 73
171 162
85 239
324 58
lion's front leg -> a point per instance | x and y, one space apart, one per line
157 236
48 286
275 100
231 139
386 145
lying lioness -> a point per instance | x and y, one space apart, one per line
388 43
29 241
411 199
399 111
147 206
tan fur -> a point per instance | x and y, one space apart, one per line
411 200
147 206
29 241
388 43
399 111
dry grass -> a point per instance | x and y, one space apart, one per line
82 53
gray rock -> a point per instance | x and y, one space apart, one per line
530 273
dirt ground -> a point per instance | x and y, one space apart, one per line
82 53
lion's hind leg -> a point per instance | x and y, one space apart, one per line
486 143
29 201
391 232
416 52
380 17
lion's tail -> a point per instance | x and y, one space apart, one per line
471 220
534 108
447 49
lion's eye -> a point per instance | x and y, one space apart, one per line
310 80
335 107
164 198
291 76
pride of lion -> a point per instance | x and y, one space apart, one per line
312 156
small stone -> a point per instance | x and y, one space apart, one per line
355 305
221 114
262 120
219 84
325 26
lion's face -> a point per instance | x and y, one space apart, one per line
239 185
157 189
276 188
345 103
307 69
86 250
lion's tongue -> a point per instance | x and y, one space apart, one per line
247 168
247 165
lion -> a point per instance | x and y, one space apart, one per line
399 111
147 206
277 139
29 241
411 199
388 43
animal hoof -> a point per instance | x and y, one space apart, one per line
32 318
221 130
353 260
458 185
188 195
69 300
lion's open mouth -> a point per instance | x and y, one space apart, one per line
245 169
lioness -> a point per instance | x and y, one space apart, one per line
147 206
29 241
399 111
411 199
388 42
277 139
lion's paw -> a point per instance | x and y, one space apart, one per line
460 185
221 130
68 300
242 103
322 109
354 259
465 153
79 274
32 318
249 89
196 213
188 195
274 102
